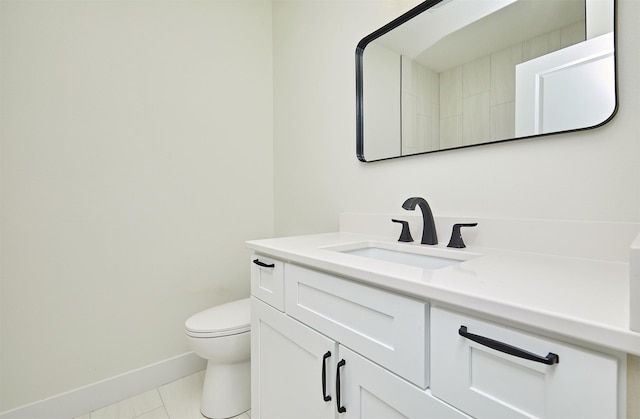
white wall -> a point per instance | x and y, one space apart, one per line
589 175
136 160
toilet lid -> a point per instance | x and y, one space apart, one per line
226 319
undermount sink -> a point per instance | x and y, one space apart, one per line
405 254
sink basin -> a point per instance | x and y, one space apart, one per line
413 259
413 255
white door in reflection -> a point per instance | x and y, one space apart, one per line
571 87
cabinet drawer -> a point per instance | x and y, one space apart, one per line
387 328
267 280
489 383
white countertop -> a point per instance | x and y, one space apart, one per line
582 299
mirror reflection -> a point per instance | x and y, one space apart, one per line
459 73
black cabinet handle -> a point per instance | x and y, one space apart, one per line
325 396
264 265
550 359
341 409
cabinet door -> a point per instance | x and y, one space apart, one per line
287 360
369 391
558 381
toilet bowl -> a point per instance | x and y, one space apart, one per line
221 335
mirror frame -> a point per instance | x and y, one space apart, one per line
407 16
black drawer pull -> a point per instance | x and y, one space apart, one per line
550 359
264 265
325 396
341 409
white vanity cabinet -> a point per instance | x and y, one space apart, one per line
323 346
479 367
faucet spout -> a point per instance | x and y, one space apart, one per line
428 225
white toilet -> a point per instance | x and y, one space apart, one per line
221 335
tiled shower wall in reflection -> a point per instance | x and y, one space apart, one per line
473 102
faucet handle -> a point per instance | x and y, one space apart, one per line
456 235
405 235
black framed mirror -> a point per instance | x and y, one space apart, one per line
459 73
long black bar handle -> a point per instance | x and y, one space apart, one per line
264 265
550 359
341 409
325 396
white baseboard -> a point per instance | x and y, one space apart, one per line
103 393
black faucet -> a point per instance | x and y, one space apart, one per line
428 226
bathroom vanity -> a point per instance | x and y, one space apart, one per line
339 330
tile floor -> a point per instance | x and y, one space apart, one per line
177 400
